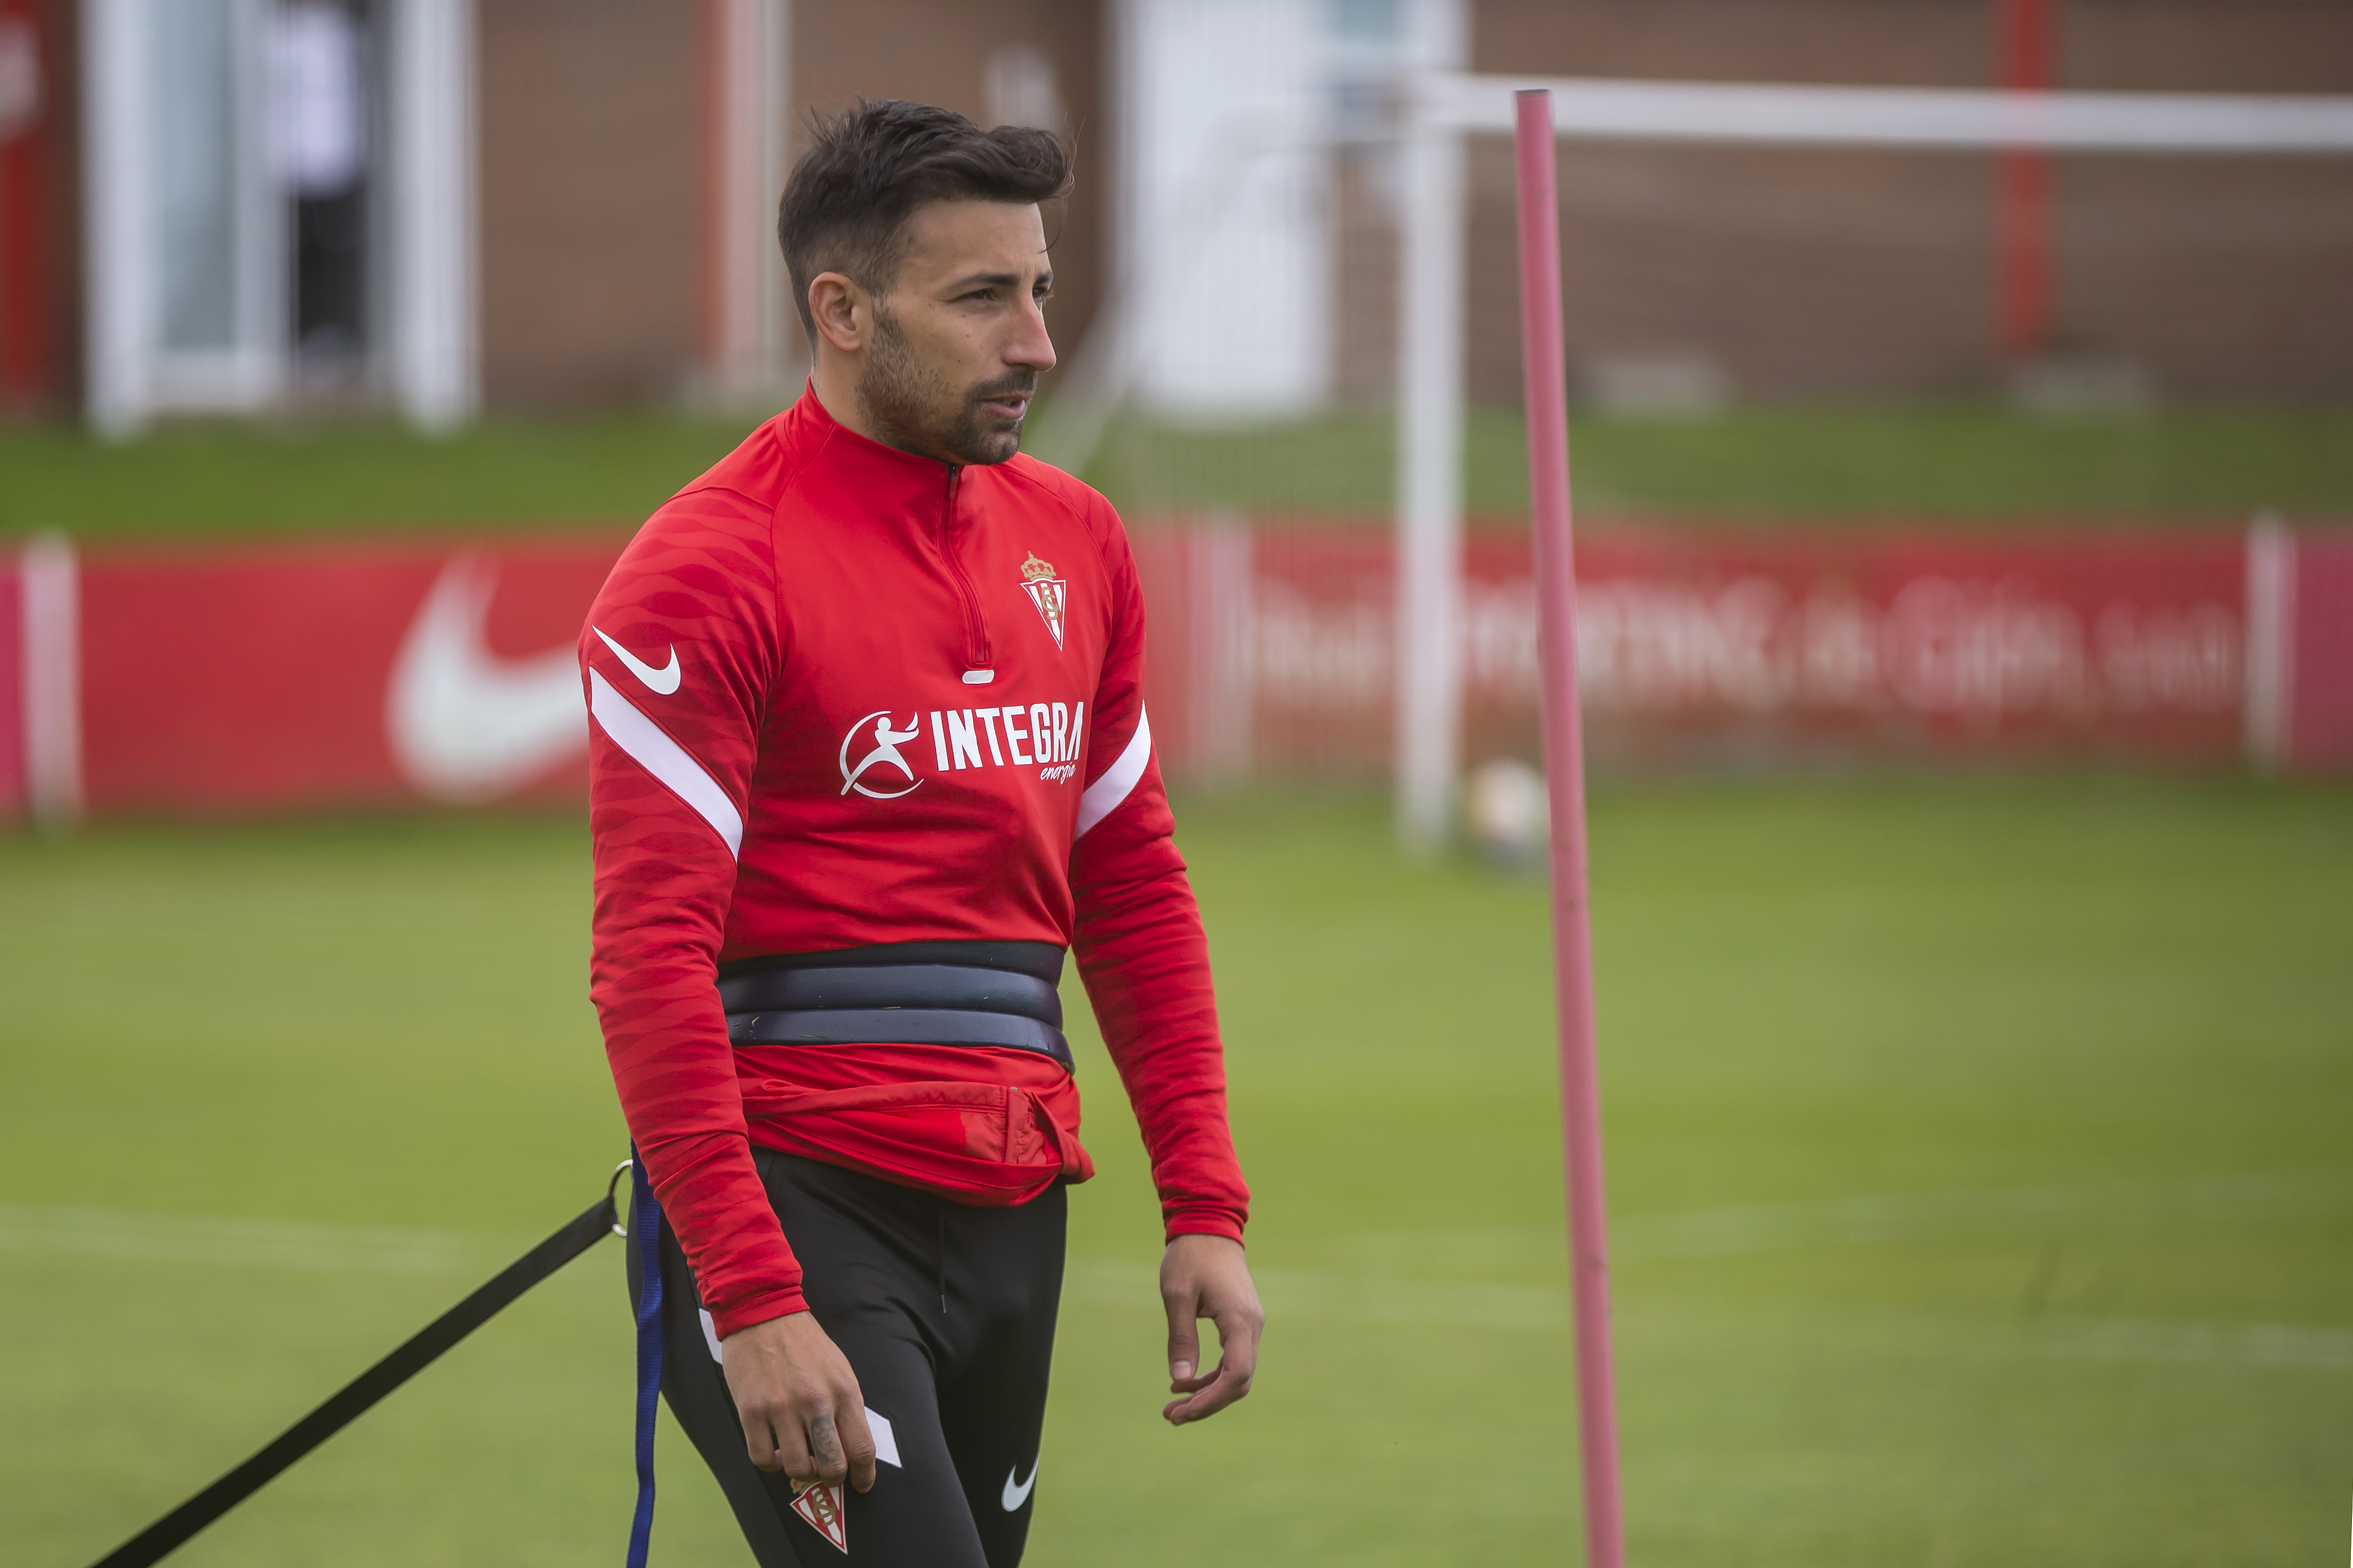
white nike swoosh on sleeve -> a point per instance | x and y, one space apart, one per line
661 682
1015 1495
664 758
1103 795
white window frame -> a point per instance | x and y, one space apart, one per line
429 347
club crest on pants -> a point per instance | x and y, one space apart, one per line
821 1506
1050 594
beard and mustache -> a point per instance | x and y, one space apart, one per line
910 405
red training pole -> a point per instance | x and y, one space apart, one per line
24 215
2022 187
1546 375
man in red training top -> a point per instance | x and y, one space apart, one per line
869 754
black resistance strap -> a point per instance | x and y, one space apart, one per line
172 1531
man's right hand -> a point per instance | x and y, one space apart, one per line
799 1402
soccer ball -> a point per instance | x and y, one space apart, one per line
1511 817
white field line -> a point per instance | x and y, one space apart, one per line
1360 1298
1295 1296
268 1243
2085 1209
2016 1211
1368 1296
1690 1234
2294 1345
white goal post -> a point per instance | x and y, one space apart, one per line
1442 109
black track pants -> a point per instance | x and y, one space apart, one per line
946 1314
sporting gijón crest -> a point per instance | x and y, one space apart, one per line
1050 594
820 1505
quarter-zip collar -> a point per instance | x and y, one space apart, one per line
897 481
920 492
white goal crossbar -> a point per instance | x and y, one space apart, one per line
1444 107
1596 108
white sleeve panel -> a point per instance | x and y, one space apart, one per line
668 760
1118 780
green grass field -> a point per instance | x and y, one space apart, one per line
1979 463
1978 1154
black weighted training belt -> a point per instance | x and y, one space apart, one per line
911 992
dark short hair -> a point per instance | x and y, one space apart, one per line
869 168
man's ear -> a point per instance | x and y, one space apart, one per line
841 311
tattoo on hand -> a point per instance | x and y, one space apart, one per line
823 1445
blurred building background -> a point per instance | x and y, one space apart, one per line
225 205
450 204
440 208
1837 273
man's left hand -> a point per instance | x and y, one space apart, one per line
1206 1277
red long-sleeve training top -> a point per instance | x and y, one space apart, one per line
844 696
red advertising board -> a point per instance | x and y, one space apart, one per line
326 676
2320 697
334 675
1696 646
1898 644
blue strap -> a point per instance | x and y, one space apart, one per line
645 1240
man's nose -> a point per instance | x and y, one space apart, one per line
1031 348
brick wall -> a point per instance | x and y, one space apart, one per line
591 169
1831 273
590 200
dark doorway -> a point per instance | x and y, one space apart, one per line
324 81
